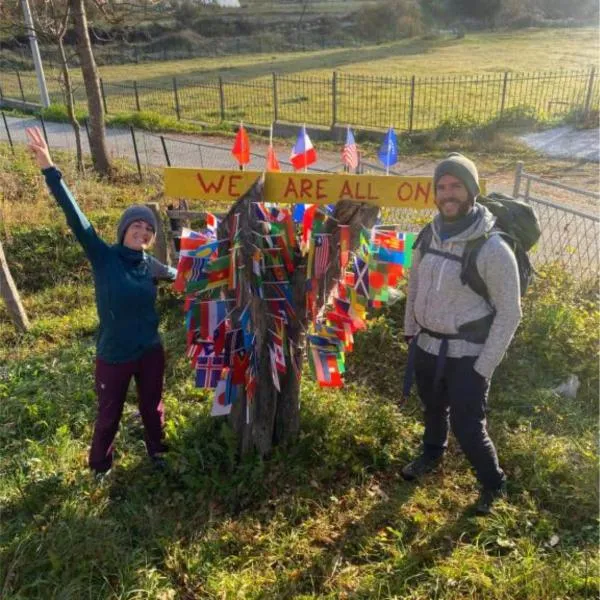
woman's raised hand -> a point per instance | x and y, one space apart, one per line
39 148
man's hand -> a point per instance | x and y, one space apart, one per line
38 147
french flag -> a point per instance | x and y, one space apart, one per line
303 152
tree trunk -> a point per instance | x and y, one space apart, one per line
274 417
70 102
92 88
8 291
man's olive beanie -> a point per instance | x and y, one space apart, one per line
461 167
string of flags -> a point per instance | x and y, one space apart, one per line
304 154
221 348
212 278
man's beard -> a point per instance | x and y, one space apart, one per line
463 209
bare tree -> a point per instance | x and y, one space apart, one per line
91 80
276 414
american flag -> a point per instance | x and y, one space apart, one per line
321 254
350 151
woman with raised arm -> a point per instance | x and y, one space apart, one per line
128 342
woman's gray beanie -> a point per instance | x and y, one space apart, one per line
136 212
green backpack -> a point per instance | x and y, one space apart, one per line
518 225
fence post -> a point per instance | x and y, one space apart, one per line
137 96
334 99
164 145
504 85
87 131
44 130
176 98
588 98
20 86
103 95
135 150
10 142
275 107
161 252
518 177
411 108
221 98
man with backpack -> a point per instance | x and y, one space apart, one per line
463 308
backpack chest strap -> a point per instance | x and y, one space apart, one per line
443 254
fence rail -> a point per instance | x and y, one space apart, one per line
569 236
407 103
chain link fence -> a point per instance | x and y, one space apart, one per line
569 236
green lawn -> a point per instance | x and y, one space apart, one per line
473 79
326 518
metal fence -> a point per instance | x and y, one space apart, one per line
569 236
406 103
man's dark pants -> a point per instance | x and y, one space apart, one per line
112 382
458 400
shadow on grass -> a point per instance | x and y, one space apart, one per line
299 64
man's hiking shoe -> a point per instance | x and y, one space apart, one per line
487 498
419 467
158 463
100 477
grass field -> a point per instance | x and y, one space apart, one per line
327 518
455 79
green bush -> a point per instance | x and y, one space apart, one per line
58 112
150 121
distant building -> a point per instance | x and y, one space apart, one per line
224 3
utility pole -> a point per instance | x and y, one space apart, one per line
35 52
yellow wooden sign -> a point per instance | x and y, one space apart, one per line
295 188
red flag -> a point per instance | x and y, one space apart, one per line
241 147
272 162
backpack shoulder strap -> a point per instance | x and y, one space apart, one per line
423 244
469 274
423 239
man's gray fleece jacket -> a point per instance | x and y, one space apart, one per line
438 301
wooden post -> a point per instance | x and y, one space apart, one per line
135 150
103 95
176 98
164 145
20 86
8 291
275 415
8 133
518 177
137 96
161 246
